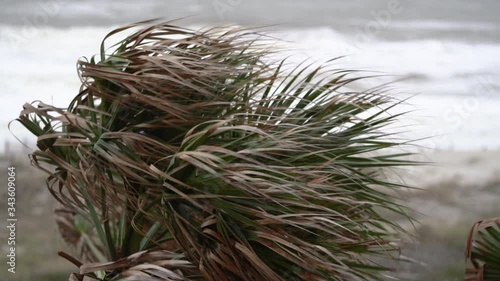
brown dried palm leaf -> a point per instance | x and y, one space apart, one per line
77 234
202 143
155 265
483 251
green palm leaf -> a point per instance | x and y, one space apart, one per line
483 251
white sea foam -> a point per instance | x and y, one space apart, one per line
430 58
436 25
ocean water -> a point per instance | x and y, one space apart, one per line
444 52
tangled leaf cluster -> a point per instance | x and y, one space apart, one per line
193 155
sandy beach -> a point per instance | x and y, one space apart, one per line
458 189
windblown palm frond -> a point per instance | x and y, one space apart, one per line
199 144
483 251
79 234
155 265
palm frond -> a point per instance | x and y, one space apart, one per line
156 265
483 251
77 233
200 143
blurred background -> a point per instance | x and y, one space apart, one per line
444 54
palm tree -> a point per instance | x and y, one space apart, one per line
198 155
483 251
